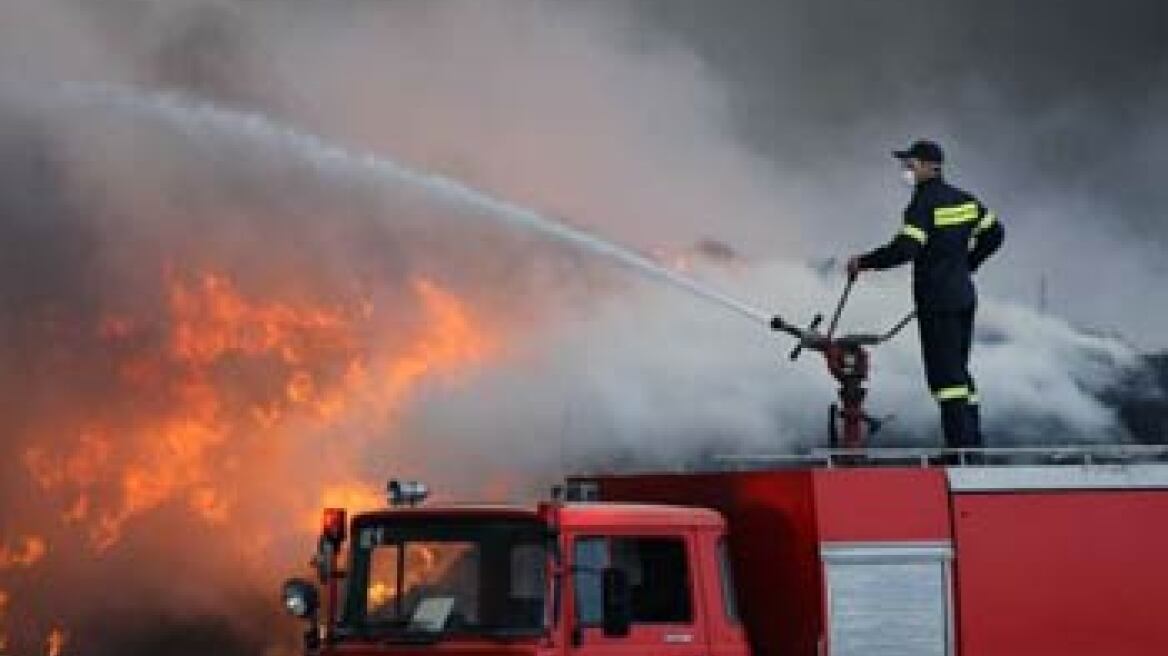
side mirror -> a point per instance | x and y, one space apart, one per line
617 602
300 599
325 559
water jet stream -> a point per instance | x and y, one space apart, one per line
188 115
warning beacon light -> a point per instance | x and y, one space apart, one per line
333 525
406 493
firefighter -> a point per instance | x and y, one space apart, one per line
947 235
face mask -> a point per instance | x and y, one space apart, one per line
908 178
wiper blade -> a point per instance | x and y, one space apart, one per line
411 638
506 632
395 632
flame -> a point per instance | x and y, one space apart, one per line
55 642
380 593
223 372
28 553
209 390
424 565
354 496
456 340
3 612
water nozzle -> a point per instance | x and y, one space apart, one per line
798 350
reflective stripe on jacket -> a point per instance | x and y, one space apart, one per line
947 234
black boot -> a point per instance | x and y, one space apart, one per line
954 421
973 426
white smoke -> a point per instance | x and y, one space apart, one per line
654 379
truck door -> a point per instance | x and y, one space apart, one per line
723 623
666 614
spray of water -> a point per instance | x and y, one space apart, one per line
187 115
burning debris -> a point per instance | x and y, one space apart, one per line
217 387
28 552
196 388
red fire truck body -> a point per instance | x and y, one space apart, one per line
977 561
907 560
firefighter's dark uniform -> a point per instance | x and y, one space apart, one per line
947 235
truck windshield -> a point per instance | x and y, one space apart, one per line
429 578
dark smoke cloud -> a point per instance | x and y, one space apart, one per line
805 68
1053 112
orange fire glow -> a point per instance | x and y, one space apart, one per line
353 496
55 642
211 391
230 371
3 612
25 554
423 564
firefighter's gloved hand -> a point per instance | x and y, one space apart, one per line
854 266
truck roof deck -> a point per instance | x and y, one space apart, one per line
998 457
1077 467
925 457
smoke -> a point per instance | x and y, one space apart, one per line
195 288
1051 113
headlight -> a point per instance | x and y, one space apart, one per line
300 598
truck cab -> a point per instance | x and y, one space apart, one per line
586 578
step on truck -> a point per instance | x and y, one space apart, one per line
1036 552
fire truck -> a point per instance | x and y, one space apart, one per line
885 553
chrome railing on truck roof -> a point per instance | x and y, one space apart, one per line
1094 454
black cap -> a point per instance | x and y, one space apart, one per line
926 151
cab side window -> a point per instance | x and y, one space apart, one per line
658 575
590 557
